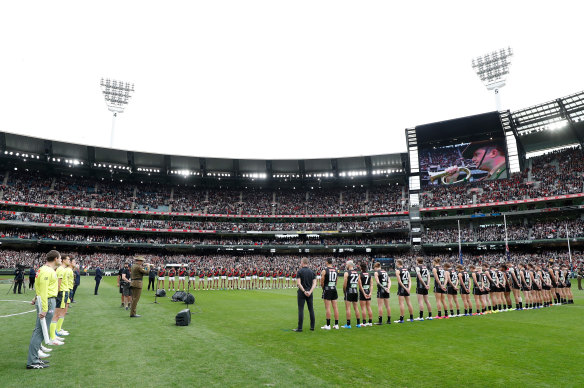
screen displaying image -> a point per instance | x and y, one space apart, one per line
477 160
462 150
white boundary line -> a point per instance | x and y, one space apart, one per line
12 315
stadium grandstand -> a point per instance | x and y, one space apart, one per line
97 200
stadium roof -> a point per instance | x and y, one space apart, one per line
77 155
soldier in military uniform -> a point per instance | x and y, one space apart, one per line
136 274
486 155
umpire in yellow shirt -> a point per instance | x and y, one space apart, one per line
136 273
46 290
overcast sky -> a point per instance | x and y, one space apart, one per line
274 79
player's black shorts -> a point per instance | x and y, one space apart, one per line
463 291
554 284
547 288
381 294
560 286
507 288
330 294
351 296
402 292
422 291
451 291
568 284
362 296
438 290
61 299
476 291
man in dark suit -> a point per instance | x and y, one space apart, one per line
151 278
136 274
306 282
98 276
76 279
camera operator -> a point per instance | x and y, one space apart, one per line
18 278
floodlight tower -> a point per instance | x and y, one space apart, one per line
117 94
492 69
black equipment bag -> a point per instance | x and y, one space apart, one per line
183 318
189 299
160 293
179 296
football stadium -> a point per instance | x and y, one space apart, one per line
457 261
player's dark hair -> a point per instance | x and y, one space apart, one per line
377 264
399 262
447 265
329 260
52 255
420 260
363 267
503 267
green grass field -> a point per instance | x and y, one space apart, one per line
244 339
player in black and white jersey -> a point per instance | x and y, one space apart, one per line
515 285
508 282
439 286
486 289
328 283
404 286
477 289
568 296
493 286
546 285
422 287
383 285
451 290
365 295
351 286
464 281
502 278
526 285
536 286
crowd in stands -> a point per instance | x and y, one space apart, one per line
146 238
48 218
484 233
68 190
557 229
109 261
443 158
113 261
557 173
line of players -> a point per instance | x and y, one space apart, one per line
542 286
224 278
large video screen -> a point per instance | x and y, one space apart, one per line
463 150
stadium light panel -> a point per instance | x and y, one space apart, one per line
116 94
492 69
